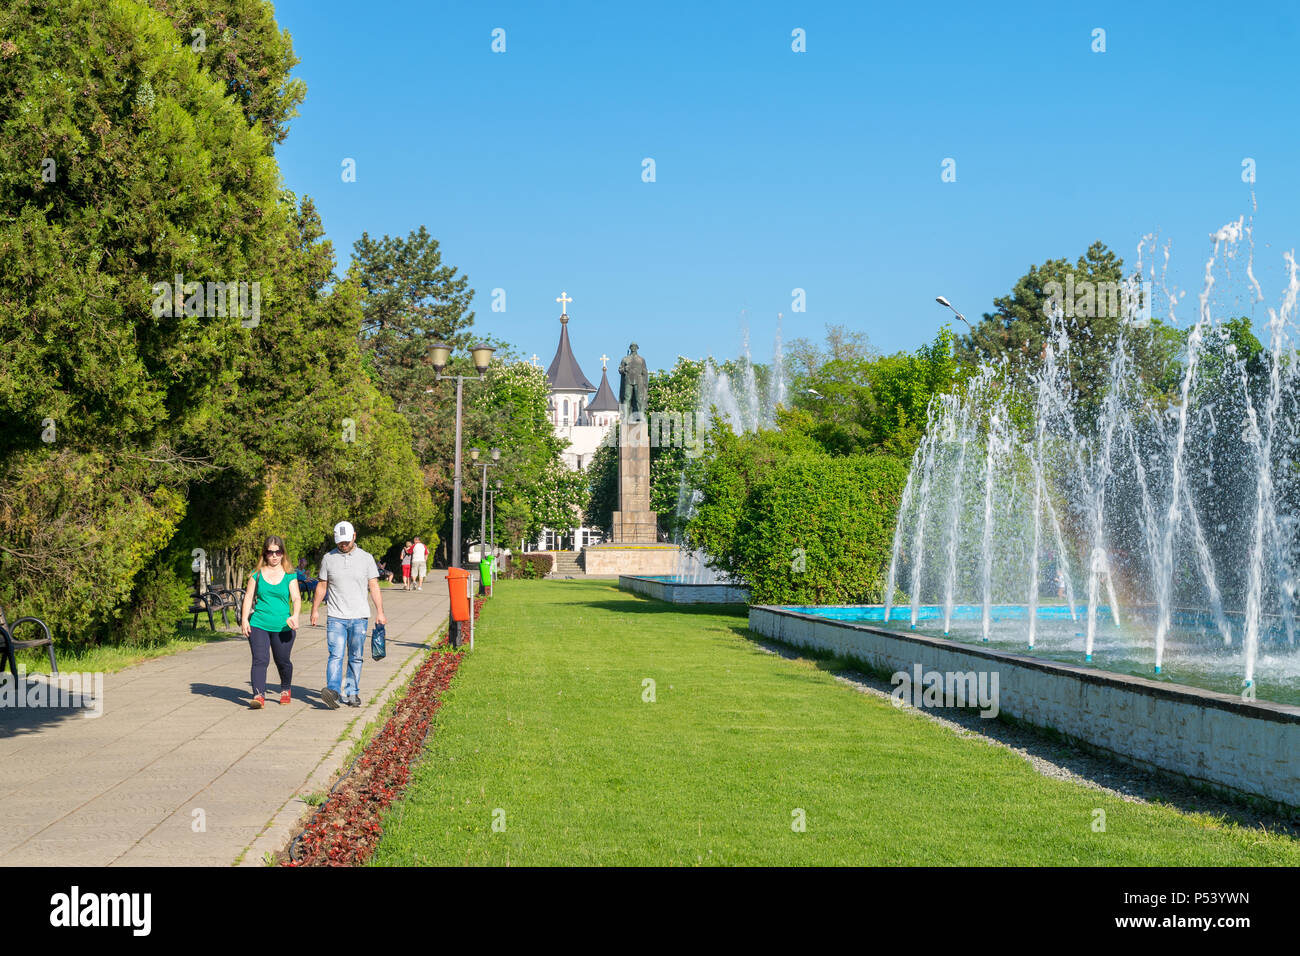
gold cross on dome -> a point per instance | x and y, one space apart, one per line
564 301
603 360
534 360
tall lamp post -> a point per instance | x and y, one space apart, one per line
492 521
482 355
482 522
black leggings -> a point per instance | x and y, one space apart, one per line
264 644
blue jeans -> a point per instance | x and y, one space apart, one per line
341 634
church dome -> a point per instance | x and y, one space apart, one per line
563 372
604 400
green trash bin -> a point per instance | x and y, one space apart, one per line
485 573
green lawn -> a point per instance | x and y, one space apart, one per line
545 730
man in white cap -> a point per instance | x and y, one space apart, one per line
346 575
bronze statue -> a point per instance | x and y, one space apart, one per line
634 379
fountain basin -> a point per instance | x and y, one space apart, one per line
673 589
933 612
1216 739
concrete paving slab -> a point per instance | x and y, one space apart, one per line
176 735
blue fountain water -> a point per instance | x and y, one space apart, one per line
1194 652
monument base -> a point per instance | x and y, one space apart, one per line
635 527
630 558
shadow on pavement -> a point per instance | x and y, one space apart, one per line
36 706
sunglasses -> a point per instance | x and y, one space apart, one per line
271 551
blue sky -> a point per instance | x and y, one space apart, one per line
778 170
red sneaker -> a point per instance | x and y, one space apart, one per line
284 696
258 702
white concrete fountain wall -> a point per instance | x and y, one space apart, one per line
675 592
1251 747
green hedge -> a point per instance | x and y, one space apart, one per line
820 530
531 565
795 525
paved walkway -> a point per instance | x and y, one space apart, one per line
177 737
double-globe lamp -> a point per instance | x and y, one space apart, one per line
440 354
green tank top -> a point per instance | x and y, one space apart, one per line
271 604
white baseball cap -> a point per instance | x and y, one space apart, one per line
343 531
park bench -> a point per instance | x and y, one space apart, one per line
228 599
217 600
12 645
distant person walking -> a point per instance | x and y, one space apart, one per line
406 566
270 619
419 563
347 574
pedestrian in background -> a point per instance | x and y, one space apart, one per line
419 555
306 583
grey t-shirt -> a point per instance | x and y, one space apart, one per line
348 578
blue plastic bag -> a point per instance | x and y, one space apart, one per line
378 649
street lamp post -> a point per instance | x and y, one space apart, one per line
482 355
482 523
948 305
492 521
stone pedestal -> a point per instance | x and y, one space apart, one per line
634 522
612 559
635 527
634 547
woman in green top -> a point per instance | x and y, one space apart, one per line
271 605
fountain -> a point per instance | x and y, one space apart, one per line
1171 509
732 393
1170 512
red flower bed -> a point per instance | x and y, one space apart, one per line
346 829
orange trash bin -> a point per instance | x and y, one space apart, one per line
458 586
